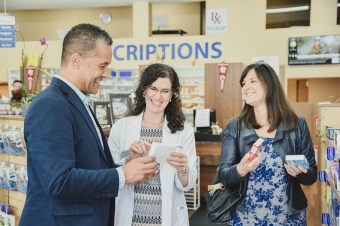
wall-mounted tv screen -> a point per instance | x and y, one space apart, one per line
323 49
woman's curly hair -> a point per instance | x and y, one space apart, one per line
173 110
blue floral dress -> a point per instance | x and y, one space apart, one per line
266 201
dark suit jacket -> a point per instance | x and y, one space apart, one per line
72 179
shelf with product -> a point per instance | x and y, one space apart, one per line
332 172
13 161
328 163
119 82
333 151
192 92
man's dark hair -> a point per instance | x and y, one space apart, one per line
15 81
82 39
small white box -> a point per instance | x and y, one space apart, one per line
298 160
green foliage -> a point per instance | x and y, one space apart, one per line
27 98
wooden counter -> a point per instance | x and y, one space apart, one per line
210 154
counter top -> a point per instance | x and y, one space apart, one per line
209 153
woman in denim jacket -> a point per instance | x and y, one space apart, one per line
273 194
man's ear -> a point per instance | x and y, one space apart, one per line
76 59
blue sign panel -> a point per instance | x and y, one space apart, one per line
125 73
325 219
323 176
331 153
7 30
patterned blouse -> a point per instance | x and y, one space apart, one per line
266 201
147 210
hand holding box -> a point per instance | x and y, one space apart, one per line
297 160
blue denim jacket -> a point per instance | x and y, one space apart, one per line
236 143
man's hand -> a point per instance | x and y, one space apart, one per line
140 169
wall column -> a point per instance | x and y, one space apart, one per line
142 22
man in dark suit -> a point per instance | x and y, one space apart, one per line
72 177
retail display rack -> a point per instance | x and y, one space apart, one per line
327 123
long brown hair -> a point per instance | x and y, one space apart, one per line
278 108
173 111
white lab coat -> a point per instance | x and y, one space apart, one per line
174 209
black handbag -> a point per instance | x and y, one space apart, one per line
221 201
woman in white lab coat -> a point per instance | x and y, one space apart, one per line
156 117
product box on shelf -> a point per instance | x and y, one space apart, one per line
335 178
337 138
331 153
330 132
7 219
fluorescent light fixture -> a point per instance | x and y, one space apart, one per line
288 10
338 4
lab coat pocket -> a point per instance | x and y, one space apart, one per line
182 213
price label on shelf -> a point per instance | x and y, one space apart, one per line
325 219
323 176
331 153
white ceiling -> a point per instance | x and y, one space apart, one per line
59 4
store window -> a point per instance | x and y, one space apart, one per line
287 13
338 17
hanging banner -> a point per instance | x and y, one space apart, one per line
7 30
222 73
30 71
